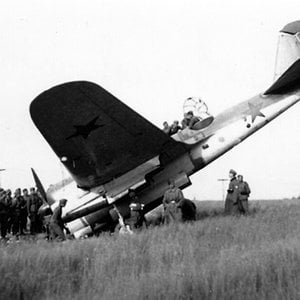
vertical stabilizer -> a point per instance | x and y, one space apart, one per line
288 50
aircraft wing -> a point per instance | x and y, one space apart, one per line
96 136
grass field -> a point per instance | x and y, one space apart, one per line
217 257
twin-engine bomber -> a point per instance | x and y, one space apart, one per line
108 148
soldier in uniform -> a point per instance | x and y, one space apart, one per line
33 205
231 201
191 119
18 205
244 192
26 198
166 128
175 127
172 197
137 217
9 211
56 223
23 216
185 121
3 213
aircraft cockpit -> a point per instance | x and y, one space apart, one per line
196 110
196 119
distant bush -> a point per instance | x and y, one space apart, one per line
217 257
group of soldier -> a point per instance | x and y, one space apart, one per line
189 120
176 208
238 192
20 211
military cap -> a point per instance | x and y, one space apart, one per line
233 172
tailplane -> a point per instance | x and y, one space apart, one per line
288 50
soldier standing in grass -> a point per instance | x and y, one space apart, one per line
56 223
231 201
137 217
244 192
3 213
18 205
9 211
172 197
33 205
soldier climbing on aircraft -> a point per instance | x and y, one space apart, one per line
166 128
191 119
175 127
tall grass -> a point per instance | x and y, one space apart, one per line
217 257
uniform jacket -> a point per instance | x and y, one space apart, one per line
33 203
136 208
174 194
18 205
3 204
233 191
56 217
244 190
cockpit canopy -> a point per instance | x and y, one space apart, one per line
200 110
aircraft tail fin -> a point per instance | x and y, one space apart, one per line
288 49
288 81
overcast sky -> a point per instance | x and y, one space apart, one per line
152 55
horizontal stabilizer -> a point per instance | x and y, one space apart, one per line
288 81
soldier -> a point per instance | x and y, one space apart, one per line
231 201
175 127
3 213
23 216
188 210
166 128
185 121
33 205
170 201
244 192
18 205
191 119
56 223
137 217
26 198
9 211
